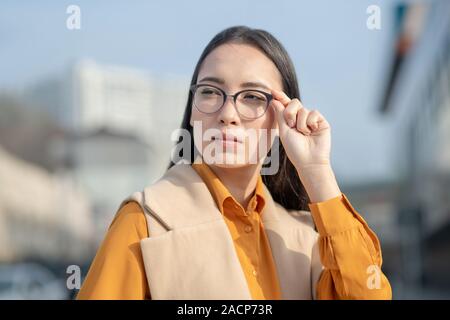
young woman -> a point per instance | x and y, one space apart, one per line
213 229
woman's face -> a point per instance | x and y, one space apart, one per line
235 67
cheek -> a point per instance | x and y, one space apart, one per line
200 123
268 124
195 115
200 120
264 133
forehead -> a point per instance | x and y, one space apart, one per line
239 63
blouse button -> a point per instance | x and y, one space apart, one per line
255 273
248 229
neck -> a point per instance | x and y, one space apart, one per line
240 182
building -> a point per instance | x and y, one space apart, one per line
43 216
109 166
416 101
118 123
89 96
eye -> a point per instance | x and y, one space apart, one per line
254 96
208 91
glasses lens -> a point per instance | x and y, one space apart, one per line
208 99
251 104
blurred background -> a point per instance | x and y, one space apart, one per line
90 92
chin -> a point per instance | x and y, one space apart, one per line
215 154
228 159
230 165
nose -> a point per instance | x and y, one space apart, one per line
228 113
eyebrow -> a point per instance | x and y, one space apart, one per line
250 84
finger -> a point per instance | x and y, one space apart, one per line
290 113
312 121
302 115
281 96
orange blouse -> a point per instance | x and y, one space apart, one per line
345 243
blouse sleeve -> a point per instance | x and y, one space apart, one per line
117 271
350 254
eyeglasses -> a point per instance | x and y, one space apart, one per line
250 104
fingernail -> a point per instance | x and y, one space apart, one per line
291 123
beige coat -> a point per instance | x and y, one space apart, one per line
190 253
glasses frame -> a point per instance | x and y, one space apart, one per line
194 88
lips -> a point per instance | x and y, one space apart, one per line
228 137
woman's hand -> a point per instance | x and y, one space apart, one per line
305 134
306 137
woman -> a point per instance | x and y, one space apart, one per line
215 227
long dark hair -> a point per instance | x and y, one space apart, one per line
284 186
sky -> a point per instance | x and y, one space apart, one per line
340 63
